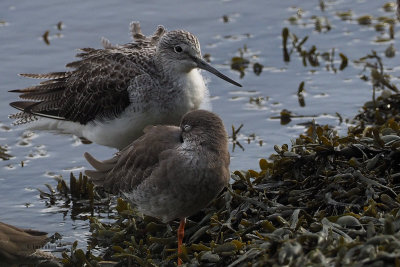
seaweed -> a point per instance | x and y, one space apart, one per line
311 56
80 198
244 60
321 200
4 153
324 199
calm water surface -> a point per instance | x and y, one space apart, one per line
256 25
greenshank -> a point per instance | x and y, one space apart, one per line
111 94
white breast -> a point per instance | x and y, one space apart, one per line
195 90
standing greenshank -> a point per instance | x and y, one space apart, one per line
113 93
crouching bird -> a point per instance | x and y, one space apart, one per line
170 172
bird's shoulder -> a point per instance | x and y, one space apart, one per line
116 66
106 80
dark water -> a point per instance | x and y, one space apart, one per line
256 25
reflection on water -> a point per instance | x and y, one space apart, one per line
305 72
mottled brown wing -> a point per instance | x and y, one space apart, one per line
135 163
96 89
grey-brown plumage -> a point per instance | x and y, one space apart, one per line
98 85
17 245
170 172
153 80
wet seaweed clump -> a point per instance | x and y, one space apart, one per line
389 6
245 59
4 153
80 197
323 200
47 37
236 136
365 20
310 57
345 15
384 109
321 24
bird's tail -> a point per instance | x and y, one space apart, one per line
99 175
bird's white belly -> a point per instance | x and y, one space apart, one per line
118 132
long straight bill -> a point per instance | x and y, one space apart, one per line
205 66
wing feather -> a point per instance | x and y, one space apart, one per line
51 75
132 165
97 88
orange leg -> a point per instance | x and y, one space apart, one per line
181 233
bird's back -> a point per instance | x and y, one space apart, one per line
134 164
96 88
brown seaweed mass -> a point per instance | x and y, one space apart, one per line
324 200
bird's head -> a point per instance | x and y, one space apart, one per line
204 128
180 50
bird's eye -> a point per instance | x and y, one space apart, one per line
187 128
178 49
